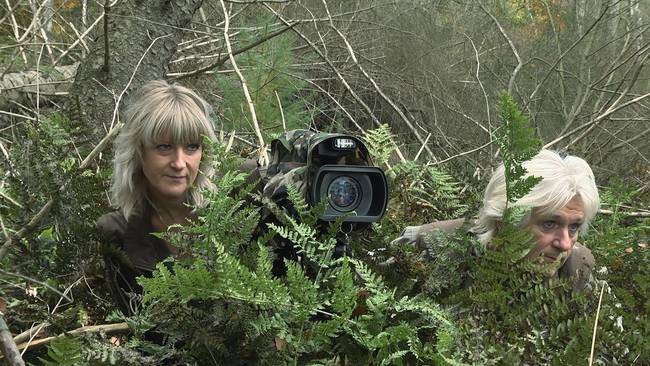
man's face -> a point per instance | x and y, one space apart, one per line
556 233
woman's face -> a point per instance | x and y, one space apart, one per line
556 234
170 169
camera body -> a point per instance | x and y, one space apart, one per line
328 166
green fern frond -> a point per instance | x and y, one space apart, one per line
517 144
344 296
64 351
379 143
297 200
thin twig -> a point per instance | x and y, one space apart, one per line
626 214
284 123
107 9
75 43
342 79
520 64
385 97
30 333
30 279
463 153
137 66
422 148
593 338
610 110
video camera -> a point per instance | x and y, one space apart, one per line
329 166
320 166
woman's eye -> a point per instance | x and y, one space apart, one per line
163 147
573 228
548 224
192 147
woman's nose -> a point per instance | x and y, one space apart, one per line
179 158
562 239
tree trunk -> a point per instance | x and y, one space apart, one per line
134 32
7 345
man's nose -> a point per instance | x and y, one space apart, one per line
562 239
179 158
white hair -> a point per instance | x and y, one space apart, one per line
562 180
159 110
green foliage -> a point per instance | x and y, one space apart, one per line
274 88
96 351
517 144
379 143
435 191
63 351
217 305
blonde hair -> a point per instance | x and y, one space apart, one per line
562 180
159 110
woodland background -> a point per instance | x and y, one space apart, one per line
429 72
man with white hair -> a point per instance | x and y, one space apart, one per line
563 203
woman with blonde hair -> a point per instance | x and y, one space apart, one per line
160 172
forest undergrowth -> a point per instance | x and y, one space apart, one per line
382 304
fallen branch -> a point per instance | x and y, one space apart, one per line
626 214
116 328
15 86
30 333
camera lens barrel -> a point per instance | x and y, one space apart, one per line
360 193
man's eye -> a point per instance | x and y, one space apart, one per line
163 147
192 147
548 224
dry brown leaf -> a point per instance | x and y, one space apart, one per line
280 343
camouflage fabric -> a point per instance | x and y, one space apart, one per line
293 160
277 186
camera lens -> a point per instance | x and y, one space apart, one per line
344 193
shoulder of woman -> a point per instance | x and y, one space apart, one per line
111 226
580 257
578 266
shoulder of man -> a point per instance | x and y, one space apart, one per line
111 227
578 266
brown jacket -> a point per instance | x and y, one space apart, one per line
129 250
578 266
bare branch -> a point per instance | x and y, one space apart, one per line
520 64
263 158
378 89
107 10
116 328
222 60
338 74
